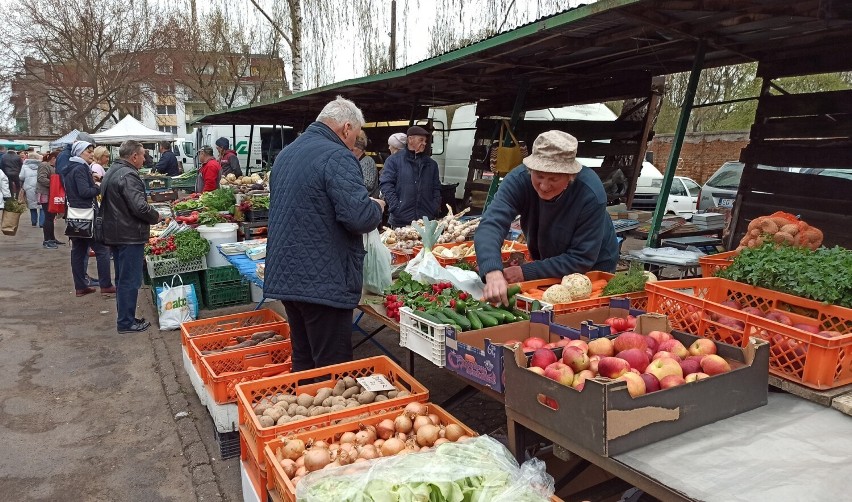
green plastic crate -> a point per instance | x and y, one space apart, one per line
227 295
218 275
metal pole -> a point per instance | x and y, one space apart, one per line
677 143
248 154
393 36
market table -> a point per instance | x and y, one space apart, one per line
790 449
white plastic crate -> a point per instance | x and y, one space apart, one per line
249 493
423 337
523 303
160 267
194 378
225 416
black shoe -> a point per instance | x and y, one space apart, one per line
58 243
136 327
139 320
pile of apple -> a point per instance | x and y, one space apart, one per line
647 363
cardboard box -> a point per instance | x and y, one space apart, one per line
605 419
478 355
589 324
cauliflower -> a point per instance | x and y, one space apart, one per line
579 285
557 294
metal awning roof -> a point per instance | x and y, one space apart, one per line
604 51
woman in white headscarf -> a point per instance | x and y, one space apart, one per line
397 142
80 192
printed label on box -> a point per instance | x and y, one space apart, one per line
375 383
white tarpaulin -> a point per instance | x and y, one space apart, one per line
130 128
64 140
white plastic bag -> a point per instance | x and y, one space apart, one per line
425 268
176 304
377 264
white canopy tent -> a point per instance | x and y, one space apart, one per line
130 128
65 140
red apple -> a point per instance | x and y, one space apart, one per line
661 354
580 379
664 367
675 347
535 342
753 311
807 327
671 381
651 343
593 364
694 377
580 344
551 345
559 372
779 317
631 322
702 347
629 340
714 365
651 382
637 359
601 347
575 358
613 367
542 358
690 366
650 353
536 369
696 358
660 337
635 384
563 342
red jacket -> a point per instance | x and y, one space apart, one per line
210 173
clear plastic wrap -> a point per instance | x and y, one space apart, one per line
479 469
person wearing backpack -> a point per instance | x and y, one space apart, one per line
228 158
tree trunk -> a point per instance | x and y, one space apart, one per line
296 21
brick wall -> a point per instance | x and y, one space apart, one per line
701 153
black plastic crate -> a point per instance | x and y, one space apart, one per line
256 215
228 442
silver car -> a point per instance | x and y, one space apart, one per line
721 189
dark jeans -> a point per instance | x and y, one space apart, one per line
320 335
128 280
47 226
79 253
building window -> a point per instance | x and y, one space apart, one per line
166 110
171 129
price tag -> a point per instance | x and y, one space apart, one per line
375 383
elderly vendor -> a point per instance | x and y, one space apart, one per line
563 215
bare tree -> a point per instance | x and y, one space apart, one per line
79 61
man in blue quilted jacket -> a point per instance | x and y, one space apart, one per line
319 210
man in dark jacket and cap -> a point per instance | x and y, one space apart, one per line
410 182
228 158
168 163
319 211
12 164
127 220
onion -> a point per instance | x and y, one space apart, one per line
463 438
369 452
385 429
300 462
320 444
293 449
333 447
392 446
416 409
427 435
420 421
434 418
453 432
332 465
344 457
289 467
301 471
405 451
440 441
296 480
402 436
365 437
402 424
347 437
316 459
379 443
359 459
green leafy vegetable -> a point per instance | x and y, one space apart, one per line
188 205
13 206
191 245
210 218
221 199
626 282
824 275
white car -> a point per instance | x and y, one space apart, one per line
683 197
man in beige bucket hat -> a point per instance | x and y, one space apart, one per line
563 215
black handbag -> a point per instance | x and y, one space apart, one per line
79 223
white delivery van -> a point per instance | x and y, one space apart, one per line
266 142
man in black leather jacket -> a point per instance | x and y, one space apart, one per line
127 220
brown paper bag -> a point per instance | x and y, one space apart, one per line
10 222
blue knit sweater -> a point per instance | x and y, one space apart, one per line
571 234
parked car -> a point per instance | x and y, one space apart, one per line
683 197
721 188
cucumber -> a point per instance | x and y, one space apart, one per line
461 308
522 315
536 305
475 323
428 317
440 315
458 319
488 321
513 290
499 314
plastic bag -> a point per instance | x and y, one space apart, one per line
425 268
176 304
479 469
377 264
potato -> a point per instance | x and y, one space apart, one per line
298 417
283 420
305 400
318 410
381 398
351 391
350 382
259 408
392 394
352 403
291 409
366 397
266 421
327 403
339 388
338 400
322 395
274 413
300 410
338 407
403 393
287 398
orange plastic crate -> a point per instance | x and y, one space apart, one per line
219 324
816 361
638 299
250 393
400 257
712 263
254 469
277 480
216 341
517 247
222 372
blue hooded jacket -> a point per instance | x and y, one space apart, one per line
318 213
411 185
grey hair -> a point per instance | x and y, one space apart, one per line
128 148
341 111
33 156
